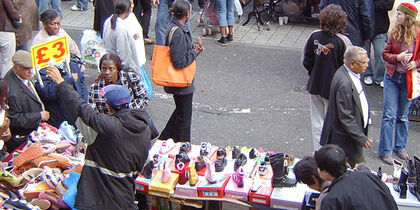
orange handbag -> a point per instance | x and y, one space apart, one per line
164 73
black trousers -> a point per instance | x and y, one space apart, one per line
143 11
179 125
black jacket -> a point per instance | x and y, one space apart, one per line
114 159
182 53
358 190
359 24
381 15
323 55
343 125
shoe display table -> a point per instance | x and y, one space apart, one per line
410 202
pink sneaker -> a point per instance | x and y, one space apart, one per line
238 177
166 173
210 176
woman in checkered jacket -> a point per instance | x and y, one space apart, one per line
111 66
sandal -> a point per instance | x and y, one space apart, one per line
53 198
10 178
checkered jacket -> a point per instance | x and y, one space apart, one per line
139 97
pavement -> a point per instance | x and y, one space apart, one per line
292 35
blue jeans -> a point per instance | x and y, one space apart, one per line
48 4
226 12
83 4
378 43
394 118
162 19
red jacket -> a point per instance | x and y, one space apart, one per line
392 49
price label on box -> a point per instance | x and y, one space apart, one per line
56 50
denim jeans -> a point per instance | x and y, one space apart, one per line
378 43
83 4
394 118
226 12
48 4
162 19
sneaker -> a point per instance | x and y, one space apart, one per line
381 84
229 38
75 8
222 41
149 41
402 154
387 159
368 80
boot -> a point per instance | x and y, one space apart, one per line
379 173
411 176
417 186
193 176
148 170
238 177
210 173
279 177
401 186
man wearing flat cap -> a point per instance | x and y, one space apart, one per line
26 110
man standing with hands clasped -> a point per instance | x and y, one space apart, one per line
347 119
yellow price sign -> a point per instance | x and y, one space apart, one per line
55 50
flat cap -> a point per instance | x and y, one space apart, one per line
22 58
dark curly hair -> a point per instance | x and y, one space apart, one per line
333 19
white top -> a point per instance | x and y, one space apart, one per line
355 78
133 26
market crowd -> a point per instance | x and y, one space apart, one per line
336 58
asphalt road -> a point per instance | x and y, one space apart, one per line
256 96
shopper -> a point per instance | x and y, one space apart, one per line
111 73
119 151
135 30
82 5
347 120
397 53
50 4
183 53
30 23
8 13
143 12
381 19
103 9
117 38
350 189
323 55
226 16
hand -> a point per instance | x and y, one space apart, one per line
411 65
75 76
6 135
198 49
45 116
404 57
198 41
54 74
155 2
368 143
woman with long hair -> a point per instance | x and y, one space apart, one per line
111 73
5 134
397 53
183 52
117 38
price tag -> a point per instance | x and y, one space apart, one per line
56 50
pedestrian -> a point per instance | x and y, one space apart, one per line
143 12
350 189
30 23
111 73
347 119
183 52
119 151
117 38
8 14
26 109
103 9
359 21
397 53
81 5
323 55
136 31
306 171
381 19
50 4
226 16
5 133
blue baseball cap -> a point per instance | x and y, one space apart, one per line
116 95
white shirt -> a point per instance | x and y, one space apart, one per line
355 78
133 27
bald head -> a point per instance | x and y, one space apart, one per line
353 53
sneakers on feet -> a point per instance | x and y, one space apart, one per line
75 8
222 41
381 84
368 80
402 154
229 38
387 159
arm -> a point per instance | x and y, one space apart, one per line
12 13
139 99
49 91
85 93
308 53
365 17
181 56
345 107
18 118
385 5
124 48
389 56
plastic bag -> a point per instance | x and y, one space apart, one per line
146 82
92 48
238 7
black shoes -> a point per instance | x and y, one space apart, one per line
240 161
229 38
280 171
182 158
235 152
199 163
205 148
254 153
401 186
185 147
148 170
220 164
222 41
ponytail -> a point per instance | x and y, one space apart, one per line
114 21
120 7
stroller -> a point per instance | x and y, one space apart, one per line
209 17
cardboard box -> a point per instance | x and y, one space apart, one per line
186 190
142 184
263 194
157 187
288 197
216 190
234 192
233 206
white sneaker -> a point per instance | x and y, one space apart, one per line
75 8
381 83
368 80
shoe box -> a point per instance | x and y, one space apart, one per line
234 192
288 197
262 195
216 190
158 188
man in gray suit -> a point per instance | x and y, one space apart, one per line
347 119
26 110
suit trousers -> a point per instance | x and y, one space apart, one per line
319 106
179 125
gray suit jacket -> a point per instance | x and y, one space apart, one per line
343 125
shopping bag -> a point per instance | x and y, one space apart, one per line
413 75
164 73
92 48
146 82
238 7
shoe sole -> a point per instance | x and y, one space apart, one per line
222 44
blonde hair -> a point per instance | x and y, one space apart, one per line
406 31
